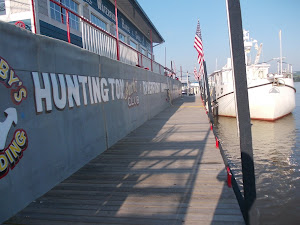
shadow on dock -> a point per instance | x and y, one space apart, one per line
167 171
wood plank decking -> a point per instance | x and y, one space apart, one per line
168 171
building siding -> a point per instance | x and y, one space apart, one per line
43 7
55 32
107 10
86 12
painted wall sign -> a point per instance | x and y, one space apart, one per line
131 93
11 154
64 90
60 91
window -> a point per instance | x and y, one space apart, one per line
2 7
112 29
143 51
121 37
95 20
133 44
59 13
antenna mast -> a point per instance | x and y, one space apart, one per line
280 52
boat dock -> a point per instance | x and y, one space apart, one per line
168 171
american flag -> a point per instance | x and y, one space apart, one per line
199 47
196 74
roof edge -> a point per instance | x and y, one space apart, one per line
147 19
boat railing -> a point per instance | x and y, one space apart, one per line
97 40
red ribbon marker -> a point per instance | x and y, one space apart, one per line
229 176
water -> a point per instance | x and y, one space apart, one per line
276 150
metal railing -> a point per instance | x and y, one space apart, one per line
97 40
231 180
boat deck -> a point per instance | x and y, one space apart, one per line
168 171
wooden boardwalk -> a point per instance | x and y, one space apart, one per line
168 171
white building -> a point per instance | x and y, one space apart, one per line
49 17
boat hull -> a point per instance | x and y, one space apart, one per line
267 101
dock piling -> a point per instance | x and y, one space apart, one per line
242 104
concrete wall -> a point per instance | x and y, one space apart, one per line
62 106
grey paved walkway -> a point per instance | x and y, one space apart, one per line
168 171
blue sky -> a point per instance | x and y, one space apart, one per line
176 20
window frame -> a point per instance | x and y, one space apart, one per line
121 34
131 41
58 13
143 51
94 16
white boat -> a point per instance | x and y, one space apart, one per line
271 95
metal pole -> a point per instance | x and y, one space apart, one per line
187 83
180 73
204 95
68 26
280 53
243 112
207 93
117 31
165 56
33 12
171 69
151 50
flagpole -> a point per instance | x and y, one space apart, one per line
207 93
204 88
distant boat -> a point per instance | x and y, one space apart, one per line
271 96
